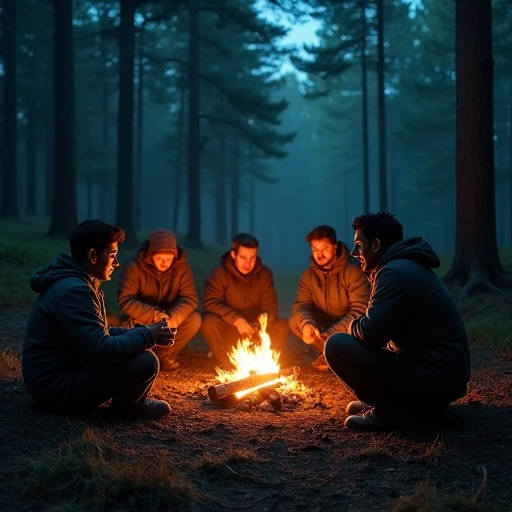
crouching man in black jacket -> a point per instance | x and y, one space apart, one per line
409 354
72 360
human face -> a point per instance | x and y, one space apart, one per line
367 254
101 265
163 260
323 252
245 259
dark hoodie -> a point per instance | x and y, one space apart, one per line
67 328
410 307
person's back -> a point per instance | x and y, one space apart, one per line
430 327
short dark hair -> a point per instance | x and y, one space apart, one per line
382 225
244 240
321 232
93 234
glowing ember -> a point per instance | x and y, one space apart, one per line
249 358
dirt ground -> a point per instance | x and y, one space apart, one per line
301 458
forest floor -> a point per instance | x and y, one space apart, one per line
256 458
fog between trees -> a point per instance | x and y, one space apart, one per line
277 155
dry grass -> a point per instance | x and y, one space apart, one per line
426 499
94 473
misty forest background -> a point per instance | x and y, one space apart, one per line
202 117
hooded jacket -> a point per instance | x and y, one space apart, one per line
143 289
340 293
67 328
410 307
232 295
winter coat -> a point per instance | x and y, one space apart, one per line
232 295
340 294
411 308
143 289
67 328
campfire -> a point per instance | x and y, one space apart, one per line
256 372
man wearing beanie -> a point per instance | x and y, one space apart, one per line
157 283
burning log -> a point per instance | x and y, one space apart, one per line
226 394
272 397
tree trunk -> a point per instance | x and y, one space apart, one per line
64 215
178 168
220 192
194 147
126 206
10 182
364 100
476 264
381 96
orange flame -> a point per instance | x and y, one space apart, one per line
249 358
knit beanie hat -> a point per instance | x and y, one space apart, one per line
162 240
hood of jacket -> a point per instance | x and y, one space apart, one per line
340 260
229 264
414 248
145 257
62 267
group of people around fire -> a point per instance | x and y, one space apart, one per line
380 318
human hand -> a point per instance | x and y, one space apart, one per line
310 334
161 333
243 327
159 314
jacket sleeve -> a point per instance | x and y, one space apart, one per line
387 308
301 308
215 296
269 303
80 316
128 291
358 293
187 299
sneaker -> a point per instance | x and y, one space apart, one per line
356 407
168 365
370 420
148 409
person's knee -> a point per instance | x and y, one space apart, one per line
147 363
338 344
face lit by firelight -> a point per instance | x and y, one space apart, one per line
163 260
101 265
367 253
323 252
245 259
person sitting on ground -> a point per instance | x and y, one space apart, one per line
408 356
72 361
157 283
237 290
331 293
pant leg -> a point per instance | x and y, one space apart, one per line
278 332
128 382
380 377
220 336
186 331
